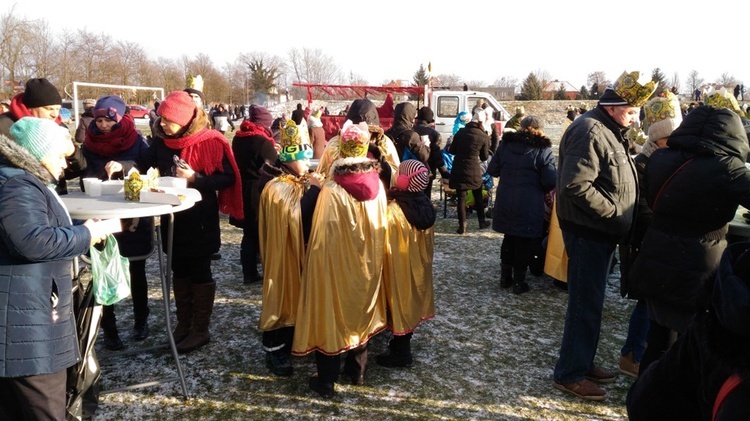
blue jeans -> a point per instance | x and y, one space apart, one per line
637 332
588 268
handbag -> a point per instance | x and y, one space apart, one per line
110 272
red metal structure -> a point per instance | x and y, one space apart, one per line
332 123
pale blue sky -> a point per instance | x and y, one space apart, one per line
479 41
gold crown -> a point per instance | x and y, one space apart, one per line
194 82
662 107
722 98
290 134
628 88
355 138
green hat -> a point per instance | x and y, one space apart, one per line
37 135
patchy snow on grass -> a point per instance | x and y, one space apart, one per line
487 355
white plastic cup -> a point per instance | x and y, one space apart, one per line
92 186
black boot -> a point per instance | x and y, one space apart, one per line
399 352
506 275
250 273
519 281
112 339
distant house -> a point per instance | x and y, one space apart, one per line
551 88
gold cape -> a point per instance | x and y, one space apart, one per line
407 272
282 250
331 153
342 303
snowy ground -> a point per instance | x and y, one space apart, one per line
487 355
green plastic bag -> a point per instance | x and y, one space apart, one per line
110 272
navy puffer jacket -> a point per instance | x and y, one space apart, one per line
39 242
526 167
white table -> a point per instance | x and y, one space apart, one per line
81 206
737 226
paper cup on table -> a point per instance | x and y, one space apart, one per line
92 186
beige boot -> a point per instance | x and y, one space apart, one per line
203 306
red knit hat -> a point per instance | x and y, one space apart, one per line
178 107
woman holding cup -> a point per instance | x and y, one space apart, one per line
112 135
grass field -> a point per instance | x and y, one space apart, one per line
487 355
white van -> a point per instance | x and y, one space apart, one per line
447 104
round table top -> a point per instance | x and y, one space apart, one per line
739 225
81 206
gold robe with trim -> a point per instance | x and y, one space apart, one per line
407 272
282 250
342 303
331 153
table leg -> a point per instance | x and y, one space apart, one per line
164 272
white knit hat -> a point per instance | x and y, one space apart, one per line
663 115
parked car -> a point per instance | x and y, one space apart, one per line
138 111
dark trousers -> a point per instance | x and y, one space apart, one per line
279 339
478 205
329 365
658 341
195 268
40 397
519 251
250 249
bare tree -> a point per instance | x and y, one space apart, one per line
40 43
447 80
726 80
506 82
676 82
599 79
694 81
13 33
313 66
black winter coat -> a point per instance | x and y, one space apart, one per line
39 243
470 147
403 135
684 382
250 153
691 208
526 167
416 206
435 160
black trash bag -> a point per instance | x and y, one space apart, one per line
82 398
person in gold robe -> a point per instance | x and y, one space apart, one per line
287 199
381 147
342 304
408 261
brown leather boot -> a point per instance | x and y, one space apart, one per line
183 300
203 306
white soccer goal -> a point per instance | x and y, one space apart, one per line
76 111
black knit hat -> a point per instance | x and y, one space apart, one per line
40 93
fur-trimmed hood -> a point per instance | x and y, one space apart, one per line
360 177
528 138
14 155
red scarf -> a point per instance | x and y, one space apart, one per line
248 128
121 138
19 110
204 152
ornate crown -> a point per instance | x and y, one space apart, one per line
722 98
628 88
293 144
194 82
354 139
662 107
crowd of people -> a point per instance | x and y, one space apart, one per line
370 196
